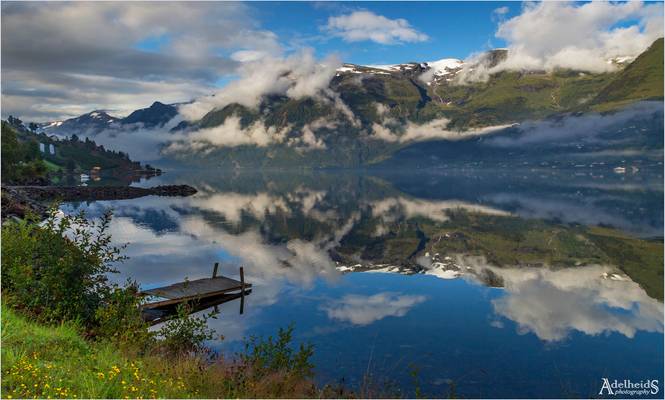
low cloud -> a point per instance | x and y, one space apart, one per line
365 310
390 130
361 26
144 144
297 76
232 134
229 134
550 35
575 126
308 140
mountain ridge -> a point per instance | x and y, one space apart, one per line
371 111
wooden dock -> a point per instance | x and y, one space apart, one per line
156 315
197 290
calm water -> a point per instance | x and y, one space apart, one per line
312 244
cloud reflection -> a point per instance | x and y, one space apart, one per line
593 300
365 310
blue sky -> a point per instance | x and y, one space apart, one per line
455 29
63 59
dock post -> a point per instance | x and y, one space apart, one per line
242 290
214 271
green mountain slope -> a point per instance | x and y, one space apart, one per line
395 100
515 96
641 80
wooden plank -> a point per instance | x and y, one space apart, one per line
196 288
160 313
190 298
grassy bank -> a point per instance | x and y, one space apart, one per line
68 333
55 361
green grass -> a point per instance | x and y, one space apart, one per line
515 96
40 361
51 167
641 80
55 361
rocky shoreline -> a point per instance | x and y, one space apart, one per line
18 201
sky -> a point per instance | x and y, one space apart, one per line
61 60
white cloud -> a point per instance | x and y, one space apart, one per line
550 35
62 59
248 55
389 131
229 134
297 76
365 310
499 14
365 25
588 125
308 140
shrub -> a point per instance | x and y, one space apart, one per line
119 319
57 270
186 333
269 355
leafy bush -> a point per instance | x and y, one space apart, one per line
57 270
21 161
119 319
276 355
186 333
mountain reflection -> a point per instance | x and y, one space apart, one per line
289 232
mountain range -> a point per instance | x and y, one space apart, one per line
97 121
368 113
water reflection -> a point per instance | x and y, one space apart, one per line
364 310
592 299
460 264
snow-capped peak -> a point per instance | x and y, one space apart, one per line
432 69
396 67
445 66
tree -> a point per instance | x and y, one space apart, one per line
21 161
10 152
33 126
14 121
31 150
70 165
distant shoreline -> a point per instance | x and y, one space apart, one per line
19 201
